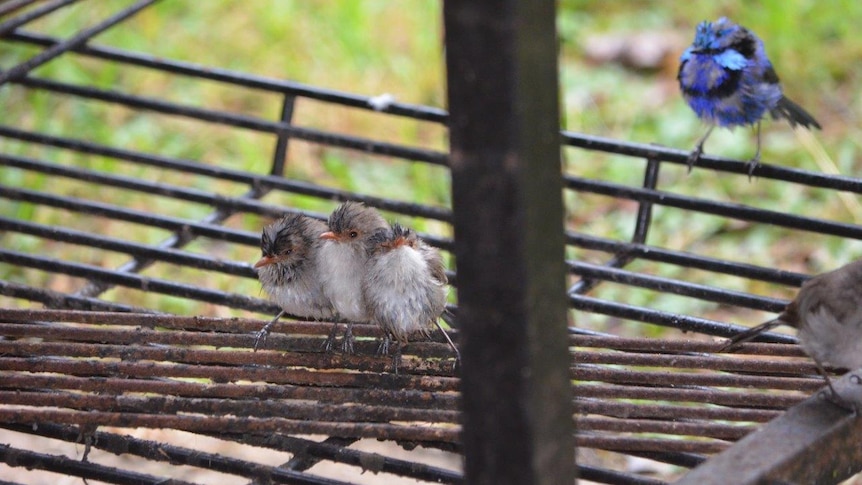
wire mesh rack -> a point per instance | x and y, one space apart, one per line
182 396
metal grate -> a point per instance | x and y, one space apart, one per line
101 367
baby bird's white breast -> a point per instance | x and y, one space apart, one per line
341 272
402 296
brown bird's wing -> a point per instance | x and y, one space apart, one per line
435 263
839 292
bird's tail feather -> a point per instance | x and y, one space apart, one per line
750 334
794 114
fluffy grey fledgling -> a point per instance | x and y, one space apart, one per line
288 269
405 284
342 257
827 312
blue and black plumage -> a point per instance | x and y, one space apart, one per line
728 81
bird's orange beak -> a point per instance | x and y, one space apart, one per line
264 261
329 235
398 242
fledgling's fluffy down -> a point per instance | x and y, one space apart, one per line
827 312
342 257
727 79
288 268
405 283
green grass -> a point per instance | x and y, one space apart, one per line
375 47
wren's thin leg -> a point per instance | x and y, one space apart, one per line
260 339
755 161
698 149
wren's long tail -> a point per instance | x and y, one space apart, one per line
794 114
750 334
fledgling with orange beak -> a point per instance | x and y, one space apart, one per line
404 286
342 260
288 269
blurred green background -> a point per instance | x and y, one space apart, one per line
618 63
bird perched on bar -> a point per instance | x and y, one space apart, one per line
827 313
405 285
343 259
727 79
288 269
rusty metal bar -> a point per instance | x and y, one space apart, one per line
227 373
506 190
723 398
669 379
814 442
632 425
692 362
250 408
616 443
230 391
197 423
188 338
317 360
217 390
622 409
667 346
240 407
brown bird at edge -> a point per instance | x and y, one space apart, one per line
827 313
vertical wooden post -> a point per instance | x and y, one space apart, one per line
507 195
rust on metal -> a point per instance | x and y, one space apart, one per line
78 368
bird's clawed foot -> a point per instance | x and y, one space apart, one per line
261 336
347 342
330 340
751 166
694 157
385 347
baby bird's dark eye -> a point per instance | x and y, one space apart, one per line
353 234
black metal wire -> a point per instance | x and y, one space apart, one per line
424 113
10 6
687 260
238 121
136 281
80 38
30 15
686 323
162 452
727 209
677 287
658 152
224 173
